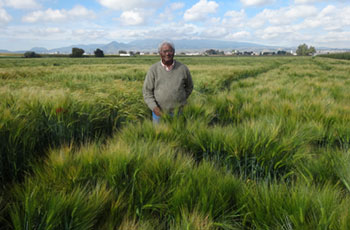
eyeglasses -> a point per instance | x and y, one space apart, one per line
167 51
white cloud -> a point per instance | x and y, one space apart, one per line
302 11
177 5
22 4
50 37
200 10
31 32
287 35
315 1
329 26
48 15
331 18
168 13
329 10
51 15
129 4
216 32
214 21
132 18
239 35
273 32
336 37
173 31
256 2
283 16
48 31
234 18
87 34
282 36
4 17
80 11
306 1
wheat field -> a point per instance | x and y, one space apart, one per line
262 144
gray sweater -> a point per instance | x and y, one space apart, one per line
167 89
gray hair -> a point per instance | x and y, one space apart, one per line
166 42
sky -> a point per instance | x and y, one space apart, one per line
287 23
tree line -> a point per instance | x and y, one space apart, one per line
76 52
302 50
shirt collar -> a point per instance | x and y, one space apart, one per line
168 68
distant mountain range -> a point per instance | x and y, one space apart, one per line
151 45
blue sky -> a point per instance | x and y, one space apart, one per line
55 23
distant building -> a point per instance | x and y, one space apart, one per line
193 54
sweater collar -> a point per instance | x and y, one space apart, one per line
168 68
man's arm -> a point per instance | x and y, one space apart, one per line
148 91
188 83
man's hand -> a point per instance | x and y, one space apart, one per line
157 111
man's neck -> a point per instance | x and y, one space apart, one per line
169 63
168 67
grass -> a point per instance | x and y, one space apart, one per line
345 55
262 144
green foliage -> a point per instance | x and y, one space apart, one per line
34 119
99 53
93 189
304 50
299 207
77 52
38 126
345 55
31 54
214 52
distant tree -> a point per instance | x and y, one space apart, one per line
281 52
267 53
31 54
220 52
211 52
77 52
122 52
304 50
99 53
312 50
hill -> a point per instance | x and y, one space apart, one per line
151 45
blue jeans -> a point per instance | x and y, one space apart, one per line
155 118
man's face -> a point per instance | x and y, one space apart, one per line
167 54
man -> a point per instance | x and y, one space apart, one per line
168 83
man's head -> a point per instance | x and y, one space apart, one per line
167 51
